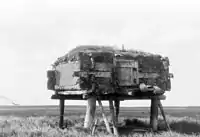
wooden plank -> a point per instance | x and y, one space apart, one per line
96 74
148 75
106 97
104 117
94 126
67 97
126 63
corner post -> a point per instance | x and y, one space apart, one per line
62 107
154 114
117 107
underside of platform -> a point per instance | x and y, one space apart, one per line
138 96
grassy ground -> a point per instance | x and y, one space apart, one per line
38 122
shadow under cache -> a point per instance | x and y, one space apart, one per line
137 126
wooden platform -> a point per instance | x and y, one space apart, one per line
139 96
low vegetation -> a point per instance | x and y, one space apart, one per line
47 126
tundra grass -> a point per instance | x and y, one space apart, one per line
47 126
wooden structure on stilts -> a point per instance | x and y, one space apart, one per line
96 73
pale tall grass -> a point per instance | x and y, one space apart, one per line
47 126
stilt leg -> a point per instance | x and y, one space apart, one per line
90 112
113 117
163 113
154 114
104 117
117 106
62 106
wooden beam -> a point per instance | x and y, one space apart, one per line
94 127
140 96
104 117
163 114
113 117
62 106
85 74
154 114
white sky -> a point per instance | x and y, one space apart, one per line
34 33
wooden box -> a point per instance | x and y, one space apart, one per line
108 69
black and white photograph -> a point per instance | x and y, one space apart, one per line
99 68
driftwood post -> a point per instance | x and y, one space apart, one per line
62 107
90 112
117 106
154 114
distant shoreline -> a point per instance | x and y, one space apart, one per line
84 106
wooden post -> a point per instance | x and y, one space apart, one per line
163 114
113 117
154 114
62 107
117 107
104 117
90 112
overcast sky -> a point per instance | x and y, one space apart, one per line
34 33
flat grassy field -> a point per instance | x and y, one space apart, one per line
42 121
